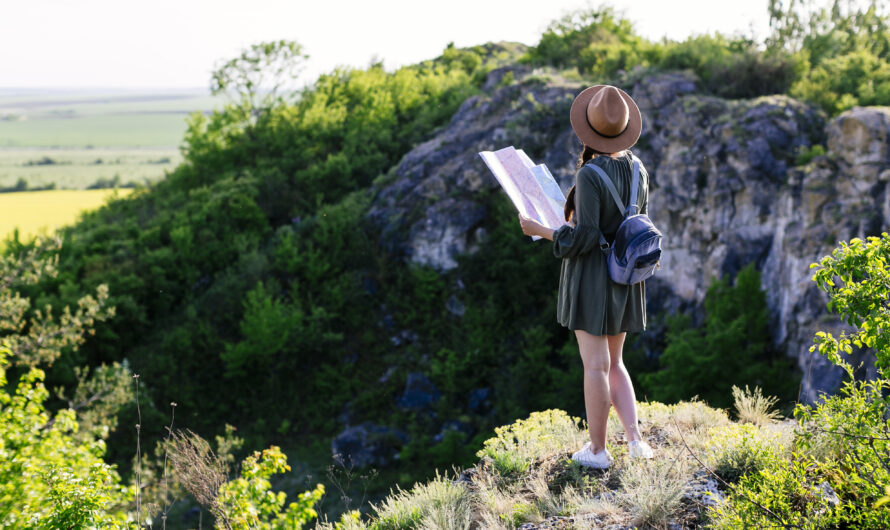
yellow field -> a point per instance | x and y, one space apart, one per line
36 212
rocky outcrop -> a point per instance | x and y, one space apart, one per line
728 187
367 444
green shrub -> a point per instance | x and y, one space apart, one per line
248 502
51 476
836 474
733 347
807 154
856 277
542 434
846 434
843 49
790 488
597 42
735 450
730 68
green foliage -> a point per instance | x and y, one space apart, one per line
39 336
837 472
517 445
733 340
844 50
735 450
257 76
834 476
834 56
856 276
248 502
50 475
266 328
847 435
597 42
807 154
601 44
788 488
730 68
251 265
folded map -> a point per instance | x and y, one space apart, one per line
531 187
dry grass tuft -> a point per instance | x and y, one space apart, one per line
693 419
496 503
753 407
198 469
652 488
440 501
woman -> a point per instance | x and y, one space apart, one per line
600 312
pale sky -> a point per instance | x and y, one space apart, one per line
176 43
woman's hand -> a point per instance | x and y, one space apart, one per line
530 227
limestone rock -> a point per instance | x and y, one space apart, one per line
724 190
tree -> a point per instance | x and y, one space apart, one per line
732 348
39 338
857 278
51 476
256 77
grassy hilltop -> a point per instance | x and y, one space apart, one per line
525 477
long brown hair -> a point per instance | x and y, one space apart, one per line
588 153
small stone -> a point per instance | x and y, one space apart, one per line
455 306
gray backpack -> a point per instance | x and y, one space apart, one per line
634 255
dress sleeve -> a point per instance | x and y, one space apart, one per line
569 242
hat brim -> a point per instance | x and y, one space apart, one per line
625 140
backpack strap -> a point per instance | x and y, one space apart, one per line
632 208
634 184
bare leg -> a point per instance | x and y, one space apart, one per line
594 351
621 388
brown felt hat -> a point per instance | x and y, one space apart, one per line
606 118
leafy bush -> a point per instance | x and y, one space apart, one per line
597 42
248 502
543 433
260 200
730 68
856 277
806 154
836 473
50 475
788 487
844 50
732 451
600 44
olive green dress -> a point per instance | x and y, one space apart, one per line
588 298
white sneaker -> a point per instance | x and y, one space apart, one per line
639 449
586 457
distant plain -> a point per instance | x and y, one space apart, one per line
75 137
78 139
